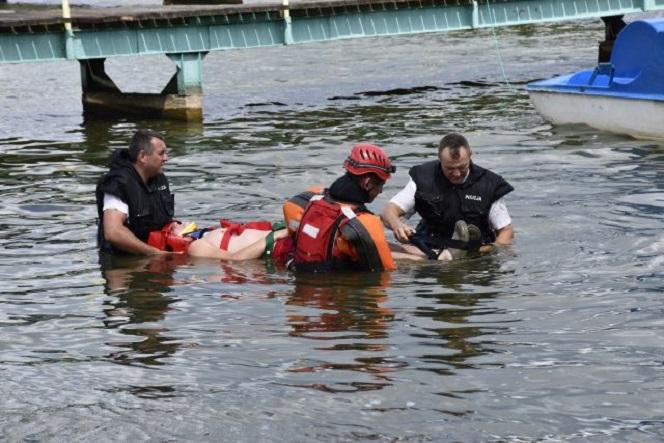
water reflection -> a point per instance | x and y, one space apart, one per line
346 313
137 307
351 303
250 272
454 302
100 137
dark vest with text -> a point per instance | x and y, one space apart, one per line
151 204
441 203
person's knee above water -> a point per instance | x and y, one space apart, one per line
336 230
134 198
446 191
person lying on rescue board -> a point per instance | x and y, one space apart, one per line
230 241
329 229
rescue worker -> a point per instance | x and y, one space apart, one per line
448 193
134 198
336 230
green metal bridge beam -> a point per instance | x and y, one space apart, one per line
269 28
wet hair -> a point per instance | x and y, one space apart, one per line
142 141
454 142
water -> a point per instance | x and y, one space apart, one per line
557 338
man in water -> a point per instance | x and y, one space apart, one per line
451 193
134 198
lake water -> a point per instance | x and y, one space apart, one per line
557 338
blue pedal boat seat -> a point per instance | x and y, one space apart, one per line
635 71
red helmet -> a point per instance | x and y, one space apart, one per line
367 158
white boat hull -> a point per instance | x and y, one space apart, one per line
637 118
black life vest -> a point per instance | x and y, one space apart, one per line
441 203
151 205
315 241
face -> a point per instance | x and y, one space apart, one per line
374 186
455 168
153 163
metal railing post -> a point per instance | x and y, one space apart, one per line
69 33
288 27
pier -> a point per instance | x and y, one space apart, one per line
187 33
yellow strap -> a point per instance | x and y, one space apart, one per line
191 227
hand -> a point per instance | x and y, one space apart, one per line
485 249
281 233
403 232
155 251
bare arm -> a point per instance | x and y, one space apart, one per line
505 235
391 217
117 234
499 216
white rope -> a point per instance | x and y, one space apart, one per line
497 45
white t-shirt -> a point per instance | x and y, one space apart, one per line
499 216
112 202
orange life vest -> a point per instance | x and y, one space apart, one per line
166 240
294 208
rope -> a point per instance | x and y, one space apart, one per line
496 44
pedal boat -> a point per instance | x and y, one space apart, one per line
625 95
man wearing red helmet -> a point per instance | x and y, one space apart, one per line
451 194
336 230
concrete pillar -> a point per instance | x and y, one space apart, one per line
188 77
181 99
